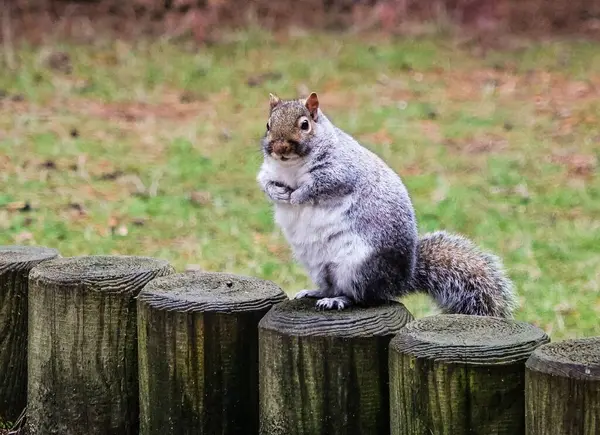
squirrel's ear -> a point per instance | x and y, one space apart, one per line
312 104
273 101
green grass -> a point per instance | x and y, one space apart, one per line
503 149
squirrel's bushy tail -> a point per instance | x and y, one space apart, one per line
461 277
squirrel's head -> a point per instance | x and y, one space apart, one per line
290 127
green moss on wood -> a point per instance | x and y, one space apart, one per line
326 372
563 388
455 374
15 265
82 361
198 350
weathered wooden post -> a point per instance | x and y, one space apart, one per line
562 388
198 353
82 366
15 264
326 372
458 374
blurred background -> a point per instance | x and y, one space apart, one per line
133 126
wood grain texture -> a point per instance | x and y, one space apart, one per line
456 374
326 372
562 391
82 362
15 264
198 353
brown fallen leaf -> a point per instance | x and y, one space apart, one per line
18 206
112 223
48 164
77 210
259 79
24 236
138 222
577 164
200 197
60 61
111 175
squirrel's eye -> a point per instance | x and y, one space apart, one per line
268 126
304 125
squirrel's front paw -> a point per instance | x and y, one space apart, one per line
298 197
279 193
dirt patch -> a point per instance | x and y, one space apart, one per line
576 164
87 107
484 144
547 89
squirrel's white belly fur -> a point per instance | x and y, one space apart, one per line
321 234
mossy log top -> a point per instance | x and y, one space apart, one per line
299 317
477 340
106 273
24 257
576 359
211 292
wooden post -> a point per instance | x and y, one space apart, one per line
15 264
562 388
326 372
459 374
83 344
198 353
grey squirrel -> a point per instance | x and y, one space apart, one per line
350 222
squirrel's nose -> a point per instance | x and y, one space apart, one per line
281 147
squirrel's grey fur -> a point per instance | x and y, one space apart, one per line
350 221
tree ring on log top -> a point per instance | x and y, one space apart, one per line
576 358
14 254
211 292
101 272
299 317
466 339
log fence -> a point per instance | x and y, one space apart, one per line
125 345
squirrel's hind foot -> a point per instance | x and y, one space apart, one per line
339 303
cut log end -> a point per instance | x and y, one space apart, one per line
577 359
299 317
107 272
211 292
26 255
479 340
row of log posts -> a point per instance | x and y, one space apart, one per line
124 345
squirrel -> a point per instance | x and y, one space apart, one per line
350 222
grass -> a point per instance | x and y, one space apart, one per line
152 149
